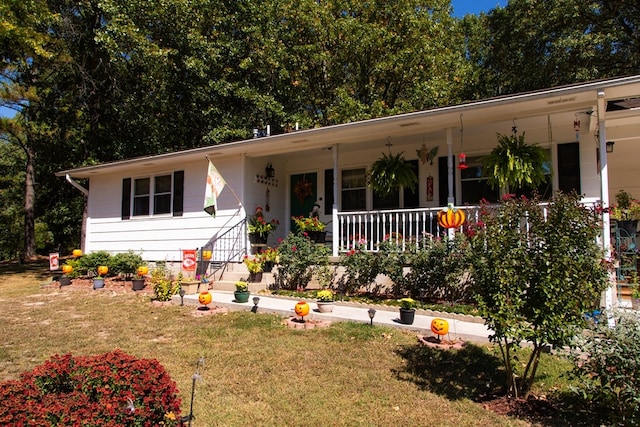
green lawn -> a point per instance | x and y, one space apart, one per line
257 372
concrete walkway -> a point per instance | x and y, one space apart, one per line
464 327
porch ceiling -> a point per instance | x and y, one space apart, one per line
481 121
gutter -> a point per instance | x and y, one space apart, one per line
77 186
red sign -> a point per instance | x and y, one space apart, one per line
54 261
189 260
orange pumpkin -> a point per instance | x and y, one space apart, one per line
439 326
142 270
66 269
206 254
76 253
302 308
451 217
205 298
102 270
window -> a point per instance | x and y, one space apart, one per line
392 200
474 183
354 189
161 195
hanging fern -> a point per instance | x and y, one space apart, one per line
390 172
513 163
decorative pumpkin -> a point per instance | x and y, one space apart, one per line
451 217
66 269
302 308
142 270
439 326
76 253
206 254
205 298
102 270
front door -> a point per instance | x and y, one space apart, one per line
303 195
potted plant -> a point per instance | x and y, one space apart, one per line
254 265
138 282
311 227
390 172
241 293
514 163
325 300
98 281
626 211
259 228
65 280
269 258
407 310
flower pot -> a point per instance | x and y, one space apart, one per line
191 288
98 283
137 284
325 306
258 239
267 266
635 303
255 277
318 236
241 296
64 281
407 315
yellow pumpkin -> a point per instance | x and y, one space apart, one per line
205 298
142 270
66 269
102 270
451 218
76 253
302 308
439 326
206 254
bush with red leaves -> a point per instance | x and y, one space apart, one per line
112 389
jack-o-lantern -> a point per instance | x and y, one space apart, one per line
206 254
302 308
439 326
66 269
451 217
142 270
102 270
76 253
204 298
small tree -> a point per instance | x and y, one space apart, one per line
534 277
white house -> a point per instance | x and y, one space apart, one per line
154 204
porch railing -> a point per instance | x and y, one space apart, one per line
405 226
227 246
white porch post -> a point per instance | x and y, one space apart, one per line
450 199
335 226
604 194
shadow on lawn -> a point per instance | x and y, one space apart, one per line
39 267
472 373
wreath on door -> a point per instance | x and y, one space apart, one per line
303 189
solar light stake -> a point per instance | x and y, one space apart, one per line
182 292
196 376
372 313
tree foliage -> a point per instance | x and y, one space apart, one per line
536 273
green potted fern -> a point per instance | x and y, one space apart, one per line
390 172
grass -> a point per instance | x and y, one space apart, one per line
256 371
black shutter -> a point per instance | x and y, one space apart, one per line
126 198
178 193
569 167
328 191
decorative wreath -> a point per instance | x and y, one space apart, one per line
303 189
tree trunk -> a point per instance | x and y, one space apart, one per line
29 207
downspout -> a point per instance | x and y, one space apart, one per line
604 195
335 226
76 185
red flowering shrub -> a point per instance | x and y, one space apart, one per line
113 389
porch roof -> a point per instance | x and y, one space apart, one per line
428 123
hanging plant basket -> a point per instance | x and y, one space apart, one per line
390 172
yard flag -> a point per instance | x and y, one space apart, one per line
215 185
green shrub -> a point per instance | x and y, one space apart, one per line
360 269
607 365
89 263
126 263
163 284
300 259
